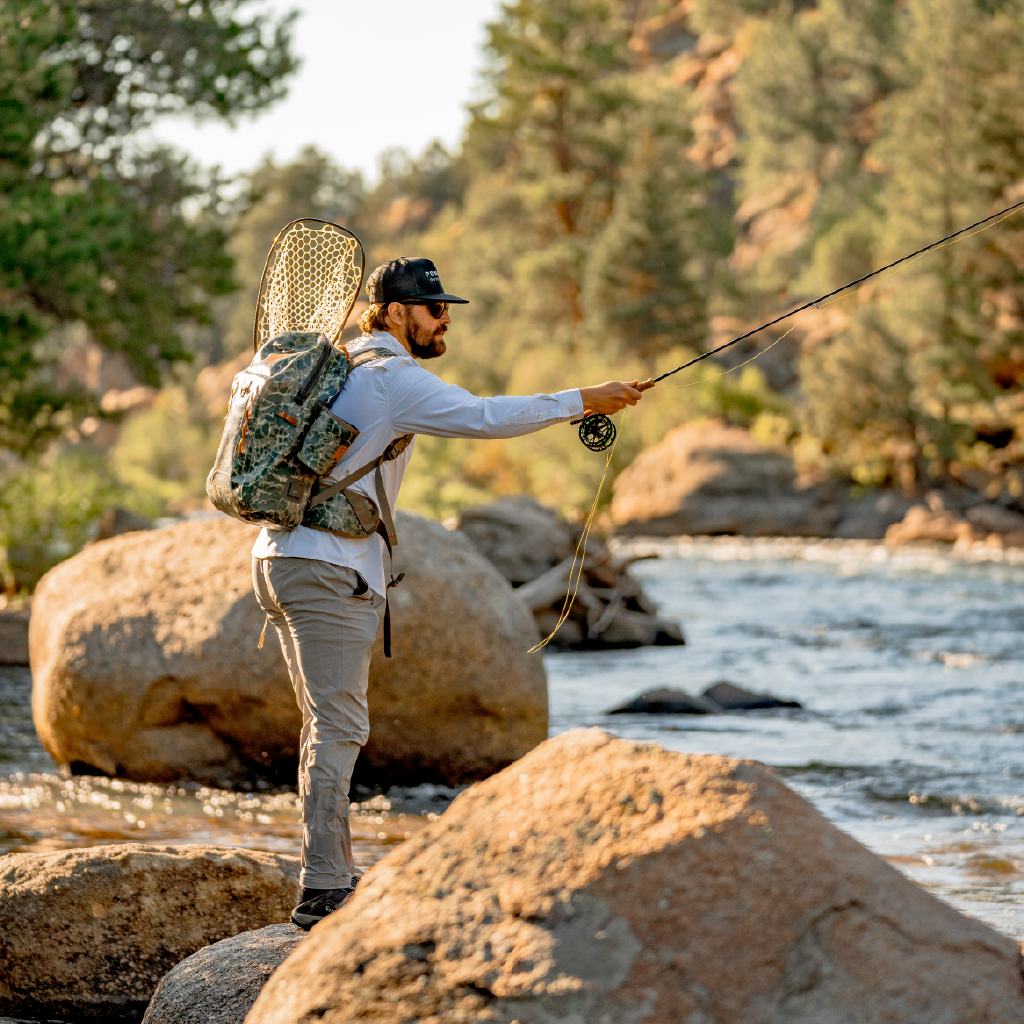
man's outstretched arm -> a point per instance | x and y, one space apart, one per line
420 403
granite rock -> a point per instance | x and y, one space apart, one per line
601 879
88 934
218 984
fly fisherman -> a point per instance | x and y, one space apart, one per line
324 593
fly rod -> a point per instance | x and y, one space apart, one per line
597 431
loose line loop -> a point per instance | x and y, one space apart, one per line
581 548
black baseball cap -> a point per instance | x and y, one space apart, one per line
407 279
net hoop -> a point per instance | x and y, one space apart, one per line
312 278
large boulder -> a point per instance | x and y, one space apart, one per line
145 664
519 536
707 478
536 551
219 984
601 879
88 934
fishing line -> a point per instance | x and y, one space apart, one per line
598 432
836 296
581 547
824 299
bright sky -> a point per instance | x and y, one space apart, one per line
375 74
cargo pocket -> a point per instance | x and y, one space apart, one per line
326 442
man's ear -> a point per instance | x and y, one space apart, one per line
390 310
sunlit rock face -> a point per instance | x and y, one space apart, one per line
708 477
88 934
145 664
600 879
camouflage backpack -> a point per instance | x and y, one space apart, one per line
280 439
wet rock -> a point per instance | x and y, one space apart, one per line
536 551
14 636
710 478
600 879
219 984
88 934
666 702
145 664
730 697
719 697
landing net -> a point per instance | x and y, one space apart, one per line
311 281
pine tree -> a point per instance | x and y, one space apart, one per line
309 186
93 231
553 133
647 272
953 147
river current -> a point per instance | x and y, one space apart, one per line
909 665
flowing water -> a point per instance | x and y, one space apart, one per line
909 666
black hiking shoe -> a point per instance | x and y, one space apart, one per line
325 902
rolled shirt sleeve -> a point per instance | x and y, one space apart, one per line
418 402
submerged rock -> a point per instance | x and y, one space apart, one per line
600 879
730 697
719 697
88 934
145 664
708 478
665 702
219 984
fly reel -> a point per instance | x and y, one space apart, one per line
597 432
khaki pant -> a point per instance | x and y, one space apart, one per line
326 633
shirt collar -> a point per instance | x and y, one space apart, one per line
378 339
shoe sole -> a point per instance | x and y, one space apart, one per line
306 921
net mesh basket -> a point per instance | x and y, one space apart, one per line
311 281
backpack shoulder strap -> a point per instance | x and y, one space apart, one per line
392 451
368 355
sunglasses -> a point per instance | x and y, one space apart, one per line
436 309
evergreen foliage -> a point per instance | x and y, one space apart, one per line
92 229
610 213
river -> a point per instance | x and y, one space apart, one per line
909 665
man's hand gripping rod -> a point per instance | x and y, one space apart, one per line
597 432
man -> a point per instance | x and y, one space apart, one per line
323 592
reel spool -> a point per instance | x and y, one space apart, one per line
597 432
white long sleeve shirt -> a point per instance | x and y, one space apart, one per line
390 397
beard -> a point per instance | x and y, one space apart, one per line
427 342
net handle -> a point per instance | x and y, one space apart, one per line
270 260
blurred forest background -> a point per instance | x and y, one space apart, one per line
640 181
